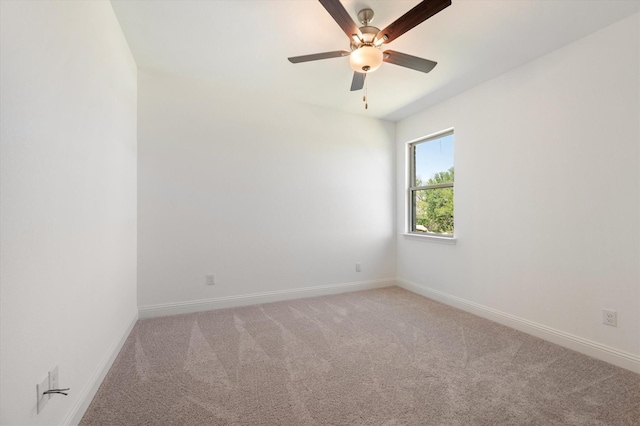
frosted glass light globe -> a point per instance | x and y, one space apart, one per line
365 59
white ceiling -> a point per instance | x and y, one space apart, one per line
245 44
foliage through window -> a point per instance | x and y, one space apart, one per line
431 176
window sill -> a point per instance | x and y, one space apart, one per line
431 238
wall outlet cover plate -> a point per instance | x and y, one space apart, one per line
609 317
54 379
41 388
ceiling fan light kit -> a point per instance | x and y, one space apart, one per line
366 42
366 58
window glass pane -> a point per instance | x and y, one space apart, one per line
434 161
433 210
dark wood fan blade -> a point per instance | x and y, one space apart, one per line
341 16
318 56
408 61
358 81
423 11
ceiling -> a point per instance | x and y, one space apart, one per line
244 45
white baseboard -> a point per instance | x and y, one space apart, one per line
166 309
89 391
596 350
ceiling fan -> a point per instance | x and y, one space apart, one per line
365 54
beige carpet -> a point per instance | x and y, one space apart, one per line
378 357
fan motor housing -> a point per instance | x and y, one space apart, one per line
368 36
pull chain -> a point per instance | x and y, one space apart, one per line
364 98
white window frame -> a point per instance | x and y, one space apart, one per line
410 156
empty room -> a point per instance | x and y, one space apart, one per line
319 212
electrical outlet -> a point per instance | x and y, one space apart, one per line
610 317
54 379
358 269
41 388
211 279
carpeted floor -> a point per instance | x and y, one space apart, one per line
377 357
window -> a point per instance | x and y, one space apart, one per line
430 191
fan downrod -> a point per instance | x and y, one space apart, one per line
365 16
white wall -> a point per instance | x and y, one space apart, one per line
547 192
68 201
266 194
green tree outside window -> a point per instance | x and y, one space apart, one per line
434 207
